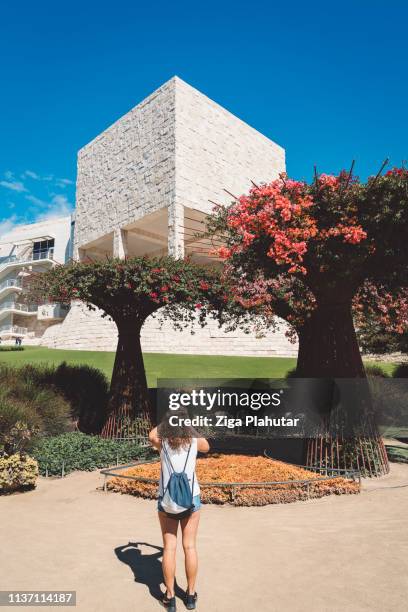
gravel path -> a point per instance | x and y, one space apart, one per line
336 554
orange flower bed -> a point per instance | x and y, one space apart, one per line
240 468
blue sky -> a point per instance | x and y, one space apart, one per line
326 80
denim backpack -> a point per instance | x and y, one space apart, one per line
177 498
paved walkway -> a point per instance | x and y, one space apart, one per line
337 554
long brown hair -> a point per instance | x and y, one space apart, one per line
176 436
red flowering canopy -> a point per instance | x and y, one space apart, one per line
311 252
134 288
129 291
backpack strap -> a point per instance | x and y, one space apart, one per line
185 465
169 465
192 485
188 454
167 457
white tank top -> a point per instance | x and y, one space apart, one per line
178 460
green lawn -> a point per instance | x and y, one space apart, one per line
159 365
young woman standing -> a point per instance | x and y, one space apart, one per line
178 451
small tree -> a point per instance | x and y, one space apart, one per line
129 291
313 253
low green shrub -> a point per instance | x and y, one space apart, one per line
24 400
10 347
18 425
84 452
13 411
17 472
60 395
84 387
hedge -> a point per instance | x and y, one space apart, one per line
78 451
12 347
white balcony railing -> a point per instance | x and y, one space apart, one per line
17 306
11 259
13 329
11 282
7 260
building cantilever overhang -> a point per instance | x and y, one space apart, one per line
146 183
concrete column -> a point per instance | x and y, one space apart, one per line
120 243
78 254
176 230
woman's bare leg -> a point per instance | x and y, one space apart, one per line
169 528
189 528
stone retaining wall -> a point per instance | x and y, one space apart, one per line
87 330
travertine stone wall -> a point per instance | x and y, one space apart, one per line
176 149
215 150
100 334
127 171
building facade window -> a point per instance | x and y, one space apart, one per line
43 249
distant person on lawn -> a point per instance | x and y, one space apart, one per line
178 448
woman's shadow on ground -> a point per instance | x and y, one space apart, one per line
147 569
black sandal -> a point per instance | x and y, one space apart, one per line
191 601
169 602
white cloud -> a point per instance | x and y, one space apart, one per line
36 201
38 177
49 205
63 182
31 174
11 183
58 207
7 225
14 185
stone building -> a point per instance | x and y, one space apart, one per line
145 186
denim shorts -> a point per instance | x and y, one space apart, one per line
196 502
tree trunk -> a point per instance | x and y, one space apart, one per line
328 349
130 410
328 345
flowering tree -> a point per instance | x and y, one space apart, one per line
129 291
382 320
315 254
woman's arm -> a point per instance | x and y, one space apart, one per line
202 445
154 439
